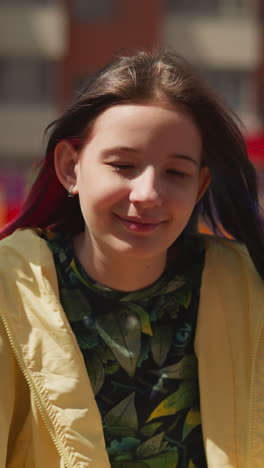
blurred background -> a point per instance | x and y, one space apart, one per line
49 47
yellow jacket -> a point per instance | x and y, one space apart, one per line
48 415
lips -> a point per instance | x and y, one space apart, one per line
139 224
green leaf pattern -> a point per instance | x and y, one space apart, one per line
160 342
123 414
139 354
122 333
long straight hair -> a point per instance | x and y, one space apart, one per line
230 205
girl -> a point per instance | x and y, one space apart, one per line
127 338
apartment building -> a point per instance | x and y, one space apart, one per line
33 39
225 40
222 37
98 30
48 48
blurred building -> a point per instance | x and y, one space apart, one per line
98 29
223 38
33 40
48 48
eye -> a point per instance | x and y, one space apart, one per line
176 173
121 167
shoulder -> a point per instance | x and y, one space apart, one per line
25 255
24 244
231 280
229 256
232 291
224 245
20 238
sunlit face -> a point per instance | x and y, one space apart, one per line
139 177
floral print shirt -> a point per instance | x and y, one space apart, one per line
138 348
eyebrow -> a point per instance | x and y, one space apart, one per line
186 158
128 149
119 149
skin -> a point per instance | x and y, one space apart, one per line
138 178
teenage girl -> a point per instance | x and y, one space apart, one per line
127 338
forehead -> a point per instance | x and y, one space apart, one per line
141 123
146 114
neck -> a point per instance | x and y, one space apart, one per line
120 272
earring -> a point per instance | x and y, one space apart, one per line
70 194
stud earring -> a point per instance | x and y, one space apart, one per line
70 194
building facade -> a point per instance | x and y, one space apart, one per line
222 37
33 40
57 44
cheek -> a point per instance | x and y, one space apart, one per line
100 193
184 198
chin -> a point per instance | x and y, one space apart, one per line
140 249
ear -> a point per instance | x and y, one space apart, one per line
65 160
204 182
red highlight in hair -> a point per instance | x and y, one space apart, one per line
47 204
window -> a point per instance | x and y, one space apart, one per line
210 7
27 80
192 7
232 85
94 10
28 2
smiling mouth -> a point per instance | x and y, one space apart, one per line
138 225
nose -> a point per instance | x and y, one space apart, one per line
146 189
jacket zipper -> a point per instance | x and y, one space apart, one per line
37 398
